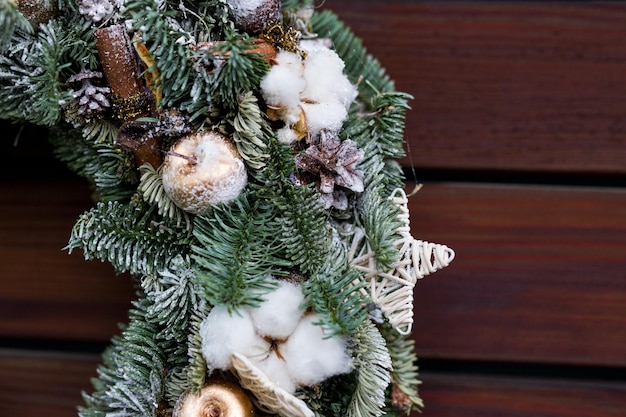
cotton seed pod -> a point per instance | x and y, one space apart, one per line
218 398
203 169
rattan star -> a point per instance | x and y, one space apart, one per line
392 291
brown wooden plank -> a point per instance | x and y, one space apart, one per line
46 384
454 395
506 85
47 293
539 276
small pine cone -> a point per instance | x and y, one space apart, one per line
99 10
334 163
90 99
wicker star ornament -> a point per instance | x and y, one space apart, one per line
392 291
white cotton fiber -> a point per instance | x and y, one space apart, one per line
323 72
224 333
286 135
291 61
327 115
276 371
281 87
278 315
310 357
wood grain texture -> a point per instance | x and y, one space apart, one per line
48 292
522 86
48 384
457 395
44 384
540 274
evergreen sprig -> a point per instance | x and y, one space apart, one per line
237 249
240 70
301 222
251 132
191 375
168 43
380 223
404 360
11 20
129 237
30 75
335 293
130 380
110 169
151 188
373 365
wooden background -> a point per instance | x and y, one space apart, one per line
518 133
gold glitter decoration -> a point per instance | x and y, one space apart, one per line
128 108
152 75
285 38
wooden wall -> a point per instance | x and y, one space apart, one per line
518 133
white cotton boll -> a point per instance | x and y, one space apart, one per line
281 87
292 115
279 314
345 91
286 135
328 115
276 371
312 358
290 61
323 73
223 333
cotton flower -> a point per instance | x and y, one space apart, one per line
314 89
278 337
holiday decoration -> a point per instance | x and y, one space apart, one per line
243 157
201 170
218 398
392 291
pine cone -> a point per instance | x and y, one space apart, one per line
90 99
334 163
99 10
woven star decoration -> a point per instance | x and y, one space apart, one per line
392 291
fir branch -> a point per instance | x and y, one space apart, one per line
334 293
373 365
168 44
11 20
29 76
151 189
380 222
110 169
241 70
126 236
100 132
190 376
130 379
405 370
236 250
304 227
302 223
251 132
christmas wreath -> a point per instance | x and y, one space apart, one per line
243 162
